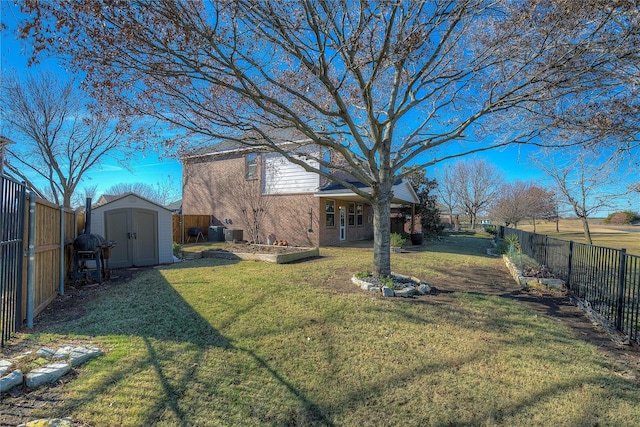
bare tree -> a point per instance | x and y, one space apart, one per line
384 84
541 204
586 181
87 192
510 206
477 186
253 198
58 138
446 191
520 200
161 194
606 106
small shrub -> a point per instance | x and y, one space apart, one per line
362 274
491 230
177 248
502 248
513 241
397 240
388 282
622 218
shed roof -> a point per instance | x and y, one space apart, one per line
122 196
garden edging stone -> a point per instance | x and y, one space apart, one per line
60 363
405 286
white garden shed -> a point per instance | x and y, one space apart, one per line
141 230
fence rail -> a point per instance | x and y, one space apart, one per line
607 280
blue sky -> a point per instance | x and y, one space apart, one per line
148 167
151 167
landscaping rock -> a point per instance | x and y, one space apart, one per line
79 355
8 382
557 284
47 374
387 291
63 352
404 286
423 289
49 422
406 292
5 365
46 352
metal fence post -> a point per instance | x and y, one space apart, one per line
570 262
61 264
31 251
622 277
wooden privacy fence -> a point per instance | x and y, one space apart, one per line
606 280
52 255
182 223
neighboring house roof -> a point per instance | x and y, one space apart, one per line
122 196
403 192
106 198
175 206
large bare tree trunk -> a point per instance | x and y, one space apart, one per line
381 237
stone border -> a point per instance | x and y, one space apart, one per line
60 363
557 284
532 282
270 258
403 290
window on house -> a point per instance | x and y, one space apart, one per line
359 215
330 211
352 214
251 166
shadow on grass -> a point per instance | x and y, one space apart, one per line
150 309
505 329
176 338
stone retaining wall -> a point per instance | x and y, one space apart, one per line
532 282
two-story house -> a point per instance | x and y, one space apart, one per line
264 194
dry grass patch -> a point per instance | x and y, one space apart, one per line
609 236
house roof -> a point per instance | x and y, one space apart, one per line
225 146
403 192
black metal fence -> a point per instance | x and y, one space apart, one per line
605 279
12 214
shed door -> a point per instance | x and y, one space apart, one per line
135 232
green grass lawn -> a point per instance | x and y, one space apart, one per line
215 342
